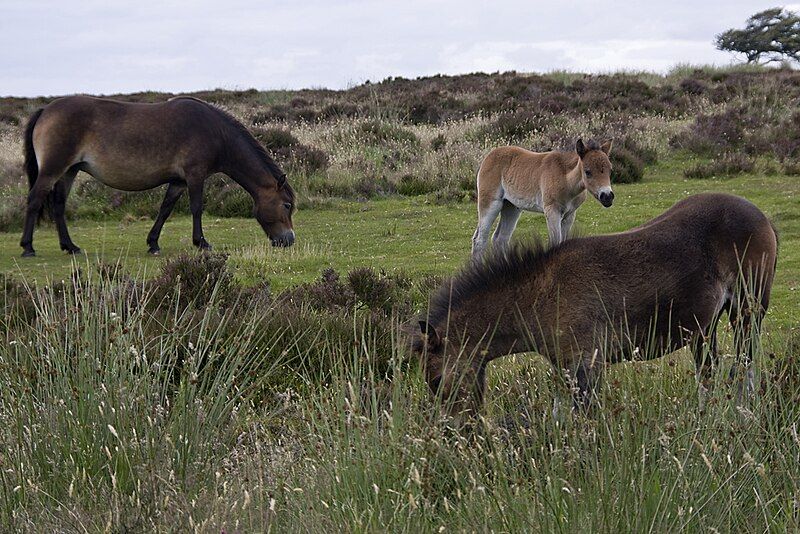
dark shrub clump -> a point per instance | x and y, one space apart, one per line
727 165
382 132
626 167
193 278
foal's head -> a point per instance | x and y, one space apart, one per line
273 210
596 169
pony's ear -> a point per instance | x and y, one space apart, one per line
580 148
281 181
606 147
432 339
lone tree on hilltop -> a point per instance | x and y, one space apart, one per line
771 35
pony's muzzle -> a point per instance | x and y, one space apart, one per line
286 239
606 198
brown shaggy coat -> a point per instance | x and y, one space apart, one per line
596 300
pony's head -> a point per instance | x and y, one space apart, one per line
596 169
273 210
452 375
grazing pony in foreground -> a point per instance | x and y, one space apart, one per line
594 301
134 147
512 179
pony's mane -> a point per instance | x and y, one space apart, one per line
498 270
252 142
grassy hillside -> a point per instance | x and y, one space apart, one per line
272 389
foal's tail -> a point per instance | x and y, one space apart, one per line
31 165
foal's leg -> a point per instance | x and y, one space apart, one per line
553 217
487 213
60 194
509 215
174 192
196 207
566 224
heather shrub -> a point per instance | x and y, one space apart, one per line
727 165
512 127
626 167
226 198
275 139
791 167
710 133
438 142
378 291
380 132
413 185
193 279
12 211
308 159
693 86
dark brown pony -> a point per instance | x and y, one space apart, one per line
597 300
134 147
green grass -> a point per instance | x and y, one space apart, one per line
97 433
412 235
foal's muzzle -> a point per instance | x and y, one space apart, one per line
606 198
286 239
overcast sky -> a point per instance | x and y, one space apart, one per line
51 47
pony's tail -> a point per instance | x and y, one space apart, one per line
777 244
31 165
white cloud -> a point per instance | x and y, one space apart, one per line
63 46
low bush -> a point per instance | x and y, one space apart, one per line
512 127
726 165
413 185
382 132
626 167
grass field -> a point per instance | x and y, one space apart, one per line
410 235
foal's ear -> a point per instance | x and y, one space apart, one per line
580 148
432 339
606 147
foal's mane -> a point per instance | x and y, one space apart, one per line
498 271
245 135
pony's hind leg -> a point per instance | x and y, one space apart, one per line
171 197
196 207
60 194
36 202
509 215
745 319
706 356
487 213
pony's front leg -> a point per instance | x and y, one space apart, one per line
196 207
587 377
487 213
566 224
553 216
173 194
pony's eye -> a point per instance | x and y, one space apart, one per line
288 206
588 172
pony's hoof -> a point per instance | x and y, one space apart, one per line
74 251
154 251
28 253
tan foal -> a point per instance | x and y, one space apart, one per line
512 179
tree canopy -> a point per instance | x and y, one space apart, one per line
770 35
